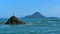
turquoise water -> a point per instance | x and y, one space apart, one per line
32 26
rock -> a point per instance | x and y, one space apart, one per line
14 20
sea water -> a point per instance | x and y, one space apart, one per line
32 26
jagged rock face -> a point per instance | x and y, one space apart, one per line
14 20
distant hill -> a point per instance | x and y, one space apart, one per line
35 15
53 17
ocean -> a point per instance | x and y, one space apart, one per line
32 26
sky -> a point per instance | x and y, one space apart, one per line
21 8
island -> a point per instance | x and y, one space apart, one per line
35 15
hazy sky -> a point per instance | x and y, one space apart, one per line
21 8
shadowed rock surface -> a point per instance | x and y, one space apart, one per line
14 20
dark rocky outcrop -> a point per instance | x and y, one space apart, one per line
14 20
35 15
